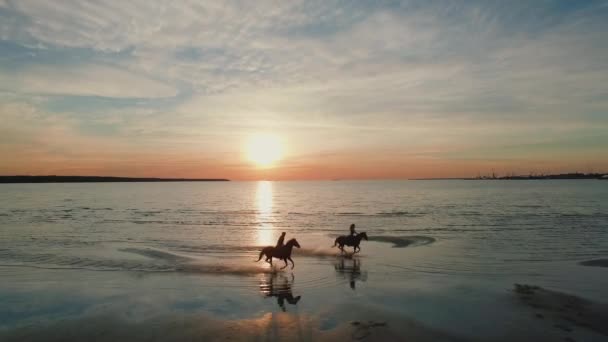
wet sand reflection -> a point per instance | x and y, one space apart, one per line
350 269
280 286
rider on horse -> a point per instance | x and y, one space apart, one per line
353 240
353 233
281 240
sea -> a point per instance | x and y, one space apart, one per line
444 253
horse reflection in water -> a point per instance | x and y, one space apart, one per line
350 268
280 286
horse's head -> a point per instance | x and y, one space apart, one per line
293 242
363 235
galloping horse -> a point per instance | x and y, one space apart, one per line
282 253
352 241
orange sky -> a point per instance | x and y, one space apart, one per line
322 167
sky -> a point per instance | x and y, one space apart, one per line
351 89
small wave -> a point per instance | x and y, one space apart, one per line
295 213
225 269
596 263
108 266
214 248
400 214
404 241
302 252
469 213
582 215
384 214
155 254
169 263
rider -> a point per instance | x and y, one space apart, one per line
352 230
281 240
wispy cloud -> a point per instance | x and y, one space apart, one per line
84 80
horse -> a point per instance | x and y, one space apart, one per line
352 241
282 253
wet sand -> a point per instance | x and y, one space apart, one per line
170 295
541 315
267 327
572 317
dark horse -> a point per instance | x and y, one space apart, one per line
352 241
282 253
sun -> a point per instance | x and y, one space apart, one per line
264 149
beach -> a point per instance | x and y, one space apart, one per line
334 171
149 262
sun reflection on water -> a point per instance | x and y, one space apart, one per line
266 232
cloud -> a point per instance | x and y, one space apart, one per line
428 79
84 80
410 56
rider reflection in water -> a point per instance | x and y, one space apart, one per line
350 269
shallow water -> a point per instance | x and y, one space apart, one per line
71 250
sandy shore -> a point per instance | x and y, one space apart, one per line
388 292
543 315
570 317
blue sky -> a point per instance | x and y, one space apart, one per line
370 89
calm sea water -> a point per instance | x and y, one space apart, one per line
192 246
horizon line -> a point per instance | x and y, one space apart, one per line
108 179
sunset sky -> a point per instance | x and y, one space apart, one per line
341 89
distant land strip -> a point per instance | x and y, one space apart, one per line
98 179
602 176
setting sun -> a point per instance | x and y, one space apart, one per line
264 149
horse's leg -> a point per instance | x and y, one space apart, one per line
285 264
293 264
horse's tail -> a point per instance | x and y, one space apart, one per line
261 253
335 242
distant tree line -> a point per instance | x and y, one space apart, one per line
98 179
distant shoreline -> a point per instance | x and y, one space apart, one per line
564 176
98 179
